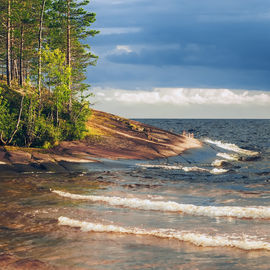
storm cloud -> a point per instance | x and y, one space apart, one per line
145 44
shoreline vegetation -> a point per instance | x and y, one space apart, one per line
46 123
109 136
44 55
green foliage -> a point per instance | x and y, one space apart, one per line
40 129
58 109
46 134
7 117
74 127
57 74
80 23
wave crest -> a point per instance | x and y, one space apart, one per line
232 157
161 166
261 212
185 169
204 240
232 147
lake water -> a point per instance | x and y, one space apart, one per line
206 209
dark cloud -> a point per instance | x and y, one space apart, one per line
128 76
229 36
246 57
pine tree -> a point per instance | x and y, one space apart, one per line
42 49
70 15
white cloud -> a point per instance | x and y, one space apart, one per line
138 48
188 96
118 30
100 94
184 103
124 48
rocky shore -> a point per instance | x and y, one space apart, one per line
11 262
110 137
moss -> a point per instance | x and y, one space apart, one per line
93 139
136 127
94 131
47 145
26 149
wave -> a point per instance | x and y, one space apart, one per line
162 166
218 171
221 163
198 169
243 242
194 169
229 156
232 147
185 169
258 212
218 163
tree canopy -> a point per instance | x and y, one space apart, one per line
43 60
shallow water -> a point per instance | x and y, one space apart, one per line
188 212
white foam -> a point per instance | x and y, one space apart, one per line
198 239
162 166
179 167
256 212
227 156
198 169
218 162
232 147
194 169
218 171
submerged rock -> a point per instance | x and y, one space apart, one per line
10 262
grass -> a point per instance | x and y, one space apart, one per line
26 149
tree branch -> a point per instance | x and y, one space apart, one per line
18 122
1 138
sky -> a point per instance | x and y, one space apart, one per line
182 58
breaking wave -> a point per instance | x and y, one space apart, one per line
162 166
185 169
194 169
232 147
229 156
218 171
218 163
258 212
242 242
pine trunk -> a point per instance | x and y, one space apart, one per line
69 51
12 54
15 69
39 47
21 81
8 46
3 70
